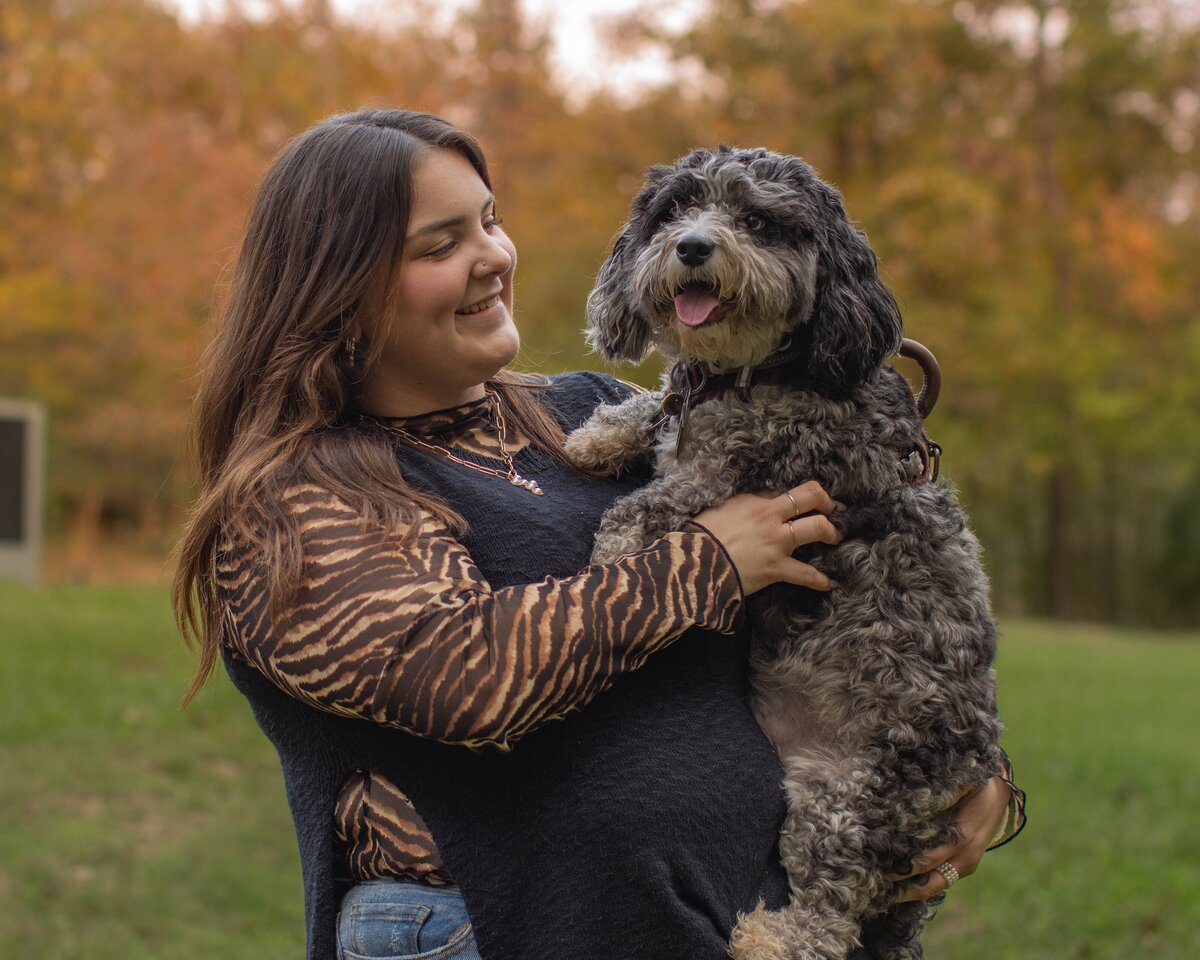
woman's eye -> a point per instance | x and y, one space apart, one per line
492 222
444 249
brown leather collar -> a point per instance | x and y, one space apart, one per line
690 383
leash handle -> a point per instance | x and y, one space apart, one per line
931 385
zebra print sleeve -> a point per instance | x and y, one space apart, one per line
411 635
384 834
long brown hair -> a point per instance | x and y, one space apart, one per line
274 405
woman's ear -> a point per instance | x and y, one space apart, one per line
616 327
855 322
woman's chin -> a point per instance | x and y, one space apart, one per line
502 348
508 331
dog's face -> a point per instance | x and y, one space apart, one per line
727 254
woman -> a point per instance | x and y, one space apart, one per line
387 555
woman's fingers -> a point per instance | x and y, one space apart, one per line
805 575
806 507
807 497
931 883
929 860
760 533
924 881
816 528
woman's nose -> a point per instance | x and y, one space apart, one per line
494 258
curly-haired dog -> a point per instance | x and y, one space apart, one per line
742 266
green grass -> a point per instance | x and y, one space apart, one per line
141 831
134 830
1103 732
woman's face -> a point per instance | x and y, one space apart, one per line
448 324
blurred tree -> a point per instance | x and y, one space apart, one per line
1093 157
1026 173
98 278
1025 169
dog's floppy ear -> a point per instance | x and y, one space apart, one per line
616 326
855 323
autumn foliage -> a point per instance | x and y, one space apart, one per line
1025 170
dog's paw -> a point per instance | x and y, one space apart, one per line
593 447
613 546
792 933
756 937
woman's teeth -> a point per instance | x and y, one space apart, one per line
479 307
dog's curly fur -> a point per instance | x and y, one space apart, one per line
879 695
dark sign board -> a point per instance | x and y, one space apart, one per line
14 454
22 441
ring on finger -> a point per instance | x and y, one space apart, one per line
949 873
795 508
795 542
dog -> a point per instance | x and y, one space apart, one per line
742 267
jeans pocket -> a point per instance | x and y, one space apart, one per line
381 928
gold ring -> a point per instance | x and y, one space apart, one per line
949 872
795 509
795 542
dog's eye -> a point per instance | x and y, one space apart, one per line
762 228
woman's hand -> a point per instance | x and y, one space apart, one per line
760 532
979 814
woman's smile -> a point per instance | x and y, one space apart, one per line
480 306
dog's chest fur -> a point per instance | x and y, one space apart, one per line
779 436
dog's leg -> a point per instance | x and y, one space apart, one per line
661 506
825 848
616 436
896 934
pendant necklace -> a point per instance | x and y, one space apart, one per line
510 474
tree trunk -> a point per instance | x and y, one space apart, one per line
1059 587
1107 582
84 535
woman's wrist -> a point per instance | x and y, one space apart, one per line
720 597
1014 821
701 528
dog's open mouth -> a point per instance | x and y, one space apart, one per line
697 304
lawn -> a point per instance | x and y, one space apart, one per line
133 830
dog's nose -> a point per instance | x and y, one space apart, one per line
693 249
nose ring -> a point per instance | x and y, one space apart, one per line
483 263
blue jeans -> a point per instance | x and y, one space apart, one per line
399 920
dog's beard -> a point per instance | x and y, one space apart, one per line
764 293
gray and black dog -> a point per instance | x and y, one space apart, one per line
742 267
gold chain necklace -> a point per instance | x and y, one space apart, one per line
510 474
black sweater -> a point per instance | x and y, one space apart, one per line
636 828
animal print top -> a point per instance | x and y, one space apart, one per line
412 636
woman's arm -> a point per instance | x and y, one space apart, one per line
409 633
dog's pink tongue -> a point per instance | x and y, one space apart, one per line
693 307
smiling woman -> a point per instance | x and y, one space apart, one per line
447 325
390 555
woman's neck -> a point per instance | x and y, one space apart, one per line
393 399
